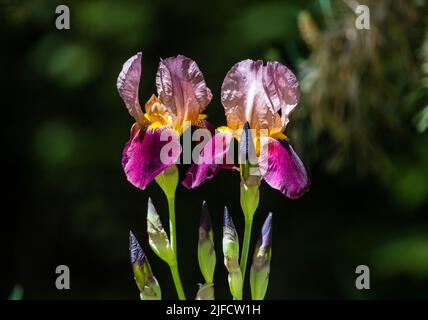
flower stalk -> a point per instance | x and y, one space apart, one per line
168 181
250 196
249 193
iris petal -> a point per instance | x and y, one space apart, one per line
256 93
134 130
282 168
182 89
244 98
212 158
282 88
128 83
143 157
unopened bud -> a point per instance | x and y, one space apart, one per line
206 252
205 292
146 282
247 149
259 274
158 238
231 256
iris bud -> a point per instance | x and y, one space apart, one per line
158 238
146 282
206 252
231 256
259 274
250 174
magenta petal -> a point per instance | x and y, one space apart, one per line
199 174
283 170
143 158
182 88
128 83
125 158
212 158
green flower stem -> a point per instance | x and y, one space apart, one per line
174 267
250 197
177 281
246 246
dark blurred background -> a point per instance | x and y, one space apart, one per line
361 129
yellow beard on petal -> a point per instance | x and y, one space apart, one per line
156 112
278 135
224 129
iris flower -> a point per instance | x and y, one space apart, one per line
260 97
182 97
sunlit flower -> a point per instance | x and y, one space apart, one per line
182 97
258 97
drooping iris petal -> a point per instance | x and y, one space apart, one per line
134 130
182 89
255 93
128 83
213 157
281 87
282 168
149 152
199 174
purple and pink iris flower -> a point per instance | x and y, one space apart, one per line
254 95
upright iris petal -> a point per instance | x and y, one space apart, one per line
182 96
261 97
182 88
128 83
282 88
244 98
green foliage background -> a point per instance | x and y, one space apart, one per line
361 129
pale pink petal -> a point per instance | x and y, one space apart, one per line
255 93
244 98
182 88
282 88
128 83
